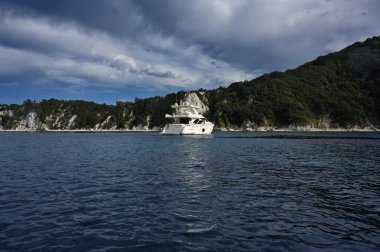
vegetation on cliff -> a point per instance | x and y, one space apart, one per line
341 89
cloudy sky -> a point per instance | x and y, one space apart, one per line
108 50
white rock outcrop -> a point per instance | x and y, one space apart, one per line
105 125
140 127
6 113
193 99
71 123
31 122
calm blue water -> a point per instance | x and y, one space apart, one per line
229 192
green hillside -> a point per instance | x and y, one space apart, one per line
340 89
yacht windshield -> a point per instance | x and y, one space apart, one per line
184 120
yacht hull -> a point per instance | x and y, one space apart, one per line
186 129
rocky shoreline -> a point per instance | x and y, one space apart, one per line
64 120
261 129
299 129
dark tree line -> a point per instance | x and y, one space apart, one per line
342 86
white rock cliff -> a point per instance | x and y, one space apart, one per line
192 98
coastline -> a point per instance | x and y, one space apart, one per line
81 131
299 129
290 129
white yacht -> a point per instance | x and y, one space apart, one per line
187 120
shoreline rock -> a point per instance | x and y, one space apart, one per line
298 129
261 129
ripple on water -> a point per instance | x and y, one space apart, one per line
232 192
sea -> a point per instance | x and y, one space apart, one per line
231 191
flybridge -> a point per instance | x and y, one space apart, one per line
187 120
185 110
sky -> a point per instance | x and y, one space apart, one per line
116 50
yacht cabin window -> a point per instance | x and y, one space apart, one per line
184 120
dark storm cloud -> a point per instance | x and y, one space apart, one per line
185 44
117 17
268 34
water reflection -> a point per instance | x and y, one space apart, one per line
196 187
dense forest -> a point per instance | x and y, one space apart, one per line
340 89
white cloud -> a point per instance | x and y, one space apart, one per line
67 52
182 44
270 34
